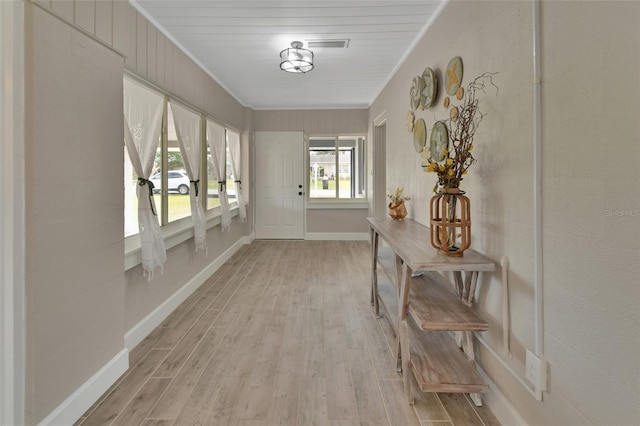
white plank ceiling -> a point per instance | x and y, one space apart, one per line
238 43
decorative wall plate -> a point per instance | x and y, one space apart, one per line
453 75
446 101
419 135
430 88
460 93
416 91
453 113
439 141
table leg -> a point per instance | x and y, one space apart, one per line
397 262
466 289
469 350
464 339
403 304
473 280
457 276
374 271
476 398
403 334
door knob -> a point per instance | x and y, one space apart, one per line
299 186
300 193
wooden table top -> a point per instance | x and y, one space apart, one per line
410 240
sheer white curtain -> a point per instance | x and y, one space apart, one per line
233 139
142 123
217 146
187 126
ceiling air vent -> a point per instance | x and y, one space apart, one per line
331 44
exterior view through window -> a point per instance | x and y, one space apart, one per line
177 178
174 203
212 182
336 167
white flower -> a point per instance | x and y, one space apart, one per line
410 121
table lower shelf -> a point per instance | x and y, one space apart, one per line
439 365
432 302
436 361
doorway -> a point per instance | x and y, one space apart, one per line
379 169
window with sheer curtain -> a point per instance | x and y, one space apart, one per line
187 126
216 141
234 151
143 111
179 165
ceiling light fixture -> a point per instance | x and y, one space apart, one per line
296 59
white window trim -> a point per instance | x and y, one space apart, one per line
330 203
174 233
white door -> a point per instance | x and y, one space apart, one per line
279 183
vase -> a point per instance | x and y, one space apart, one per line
450 225
397 210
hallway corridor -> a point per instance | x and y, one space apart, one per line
282 334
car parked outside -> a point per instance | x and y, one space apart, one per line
178 182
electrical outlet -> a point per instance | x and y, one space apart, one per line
536 371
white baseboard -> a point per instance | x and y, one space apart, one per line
141 330
86 395
337 236
499 405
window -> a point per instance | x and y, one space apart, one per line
212 199
130 188
172 204
231 192
336 167
130 197
177 194
171 183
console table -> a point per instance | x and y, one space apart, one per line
424 307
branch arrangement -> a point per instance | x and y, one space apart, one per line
458 157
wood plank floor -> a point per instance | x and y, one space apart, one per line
282 334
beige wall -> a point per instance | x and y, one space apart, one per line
321 122
312 122
591 191
80 301
74 246
149 54
335 221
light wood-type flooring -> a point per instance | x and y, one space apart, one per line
282 334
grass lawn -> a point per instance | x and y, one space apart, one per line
179 205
